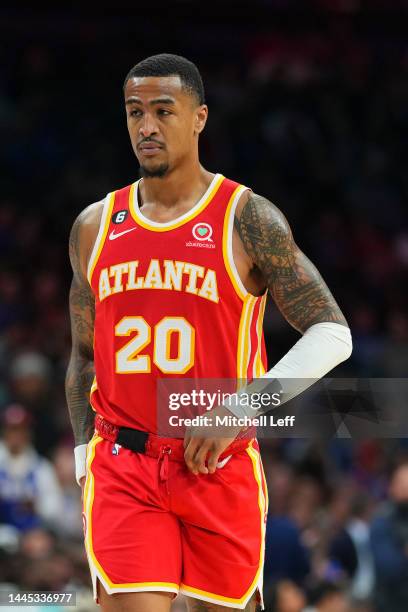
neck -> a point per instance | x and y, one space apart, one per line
178 186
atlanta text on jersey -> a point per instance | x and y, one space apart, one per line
167 274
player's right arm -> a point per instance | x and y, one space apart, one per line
80 372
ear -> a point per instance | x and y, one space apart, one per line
200 118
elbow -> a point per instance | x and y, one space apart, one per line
337 340
347 344
341 336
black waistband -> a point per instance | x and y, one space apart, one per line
133 439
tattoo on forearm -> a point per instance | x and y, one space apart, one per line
77 385
296 286
80 371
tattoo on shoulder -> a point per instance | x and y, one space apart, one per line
295 284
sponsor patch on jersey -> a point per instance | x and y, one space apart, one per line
202 232
120 216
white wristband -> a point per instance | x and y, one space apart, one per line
80 462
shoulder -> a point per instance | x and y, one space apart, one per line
83 235
255 206
260 223
89 216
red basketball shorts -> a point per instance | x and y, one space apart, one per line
151 525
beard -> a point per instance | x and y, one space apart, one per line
158 172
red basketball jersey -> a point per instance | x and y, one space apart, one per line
169 303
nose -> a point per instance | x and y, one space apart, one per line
148 126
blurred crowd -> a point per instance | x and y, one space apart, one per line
315 119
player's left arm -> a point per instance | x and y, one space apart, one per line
296 286
305 301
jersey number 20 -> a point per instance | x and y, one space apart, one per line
129 359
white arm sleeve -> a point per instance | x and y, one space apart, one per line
322 347
80 462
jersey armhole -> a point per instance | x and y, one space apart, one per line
101 236
227 250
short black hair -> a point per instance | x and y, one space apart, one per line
167 64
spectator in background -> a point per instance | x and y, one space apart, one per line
32 386
389 540
285 554
285 596
394 358
350 549
358 528
328 597
68 524
29 491
42 566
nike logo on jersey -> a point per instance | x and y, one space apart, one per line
113 236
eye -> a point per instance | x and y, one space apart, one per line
163 112
135 113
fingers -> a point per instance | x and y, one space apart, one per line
201 456
199 451
213 459
195 455
190 451
187 438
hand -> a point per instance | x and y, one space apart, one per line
208 441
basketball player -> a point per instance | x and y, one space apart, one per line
170 280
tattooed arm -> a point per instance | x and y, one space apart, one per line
267 256
301 295
299 291
80 371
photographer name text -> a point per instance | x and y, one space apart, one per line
206 420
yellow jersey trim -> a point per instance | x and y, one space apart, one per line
227 243
244 338
101 237
155 226
259 369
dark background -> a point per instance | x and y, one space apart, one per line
308 105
